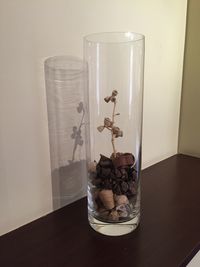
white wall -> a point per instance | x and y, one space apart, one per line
33 30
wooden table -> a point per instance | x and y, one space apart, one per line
169 228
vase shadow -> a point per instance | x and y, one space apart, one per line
68 183
66 79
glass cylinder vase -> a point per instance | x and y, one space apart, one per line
113 129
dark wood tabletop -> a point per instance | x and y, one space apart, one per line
169 228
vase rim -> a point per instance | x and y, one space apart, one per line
114 37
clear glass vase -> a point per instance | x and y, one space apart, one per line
113 129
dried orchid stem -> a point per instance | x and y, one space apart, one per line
113 138
109 123
113 114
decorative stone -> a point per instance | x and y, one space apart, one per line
112 176
122 211
117 189
118 173
124 187
121 199
107 198
114 216
134 174
96 182
117 155
126 159
105 172
124 175
105 162
107 184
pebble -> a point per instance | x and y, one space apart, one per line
123 210
107 198
114 216
124 187
121 199
115 181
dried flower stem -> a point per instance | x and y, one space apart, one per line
113 138
109 123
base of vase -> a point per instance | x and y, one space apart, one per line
114 229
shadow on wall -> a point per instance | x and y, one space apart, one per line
66 79
67 184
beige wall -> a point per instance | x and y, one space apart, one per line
30 31
189 142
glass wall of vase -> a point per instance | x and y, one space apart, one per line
114 128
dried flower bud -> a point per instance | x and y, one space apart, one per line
115 130
108 122
100 128
107 98
113 99
119 134
114 93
